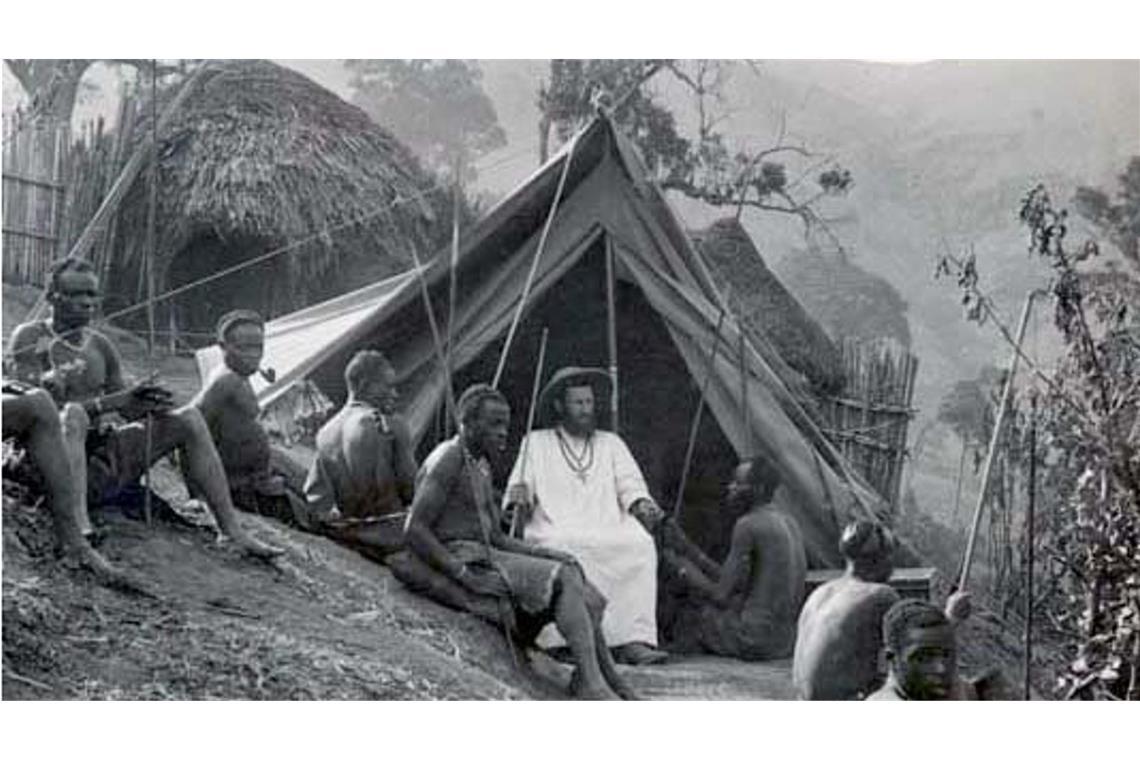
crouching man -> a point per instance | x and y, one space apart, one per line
454 529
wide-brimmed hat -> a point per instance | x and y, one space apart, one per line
598 378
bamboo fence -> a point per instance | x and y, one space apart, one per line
869 422
54 180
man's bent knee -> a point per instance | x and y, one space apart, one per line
190 424
75 420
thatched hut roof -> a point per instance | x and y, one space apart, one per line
765 305
260 157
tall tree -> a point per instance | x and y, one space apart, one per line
703 166
438 108
53 84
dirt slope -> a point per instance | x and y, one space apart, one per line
323 623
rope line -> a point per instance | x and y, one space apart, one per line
287 247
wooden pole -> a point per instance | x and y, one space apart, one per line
534 262
710 362
1029 510
437 341
994 438
611 332
745 409
453 269
517 527
150 256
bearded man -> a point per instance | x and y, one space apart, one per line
580 491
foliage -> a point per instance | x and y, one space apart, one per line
1090 432
704 167
968 406
436 107
1119 221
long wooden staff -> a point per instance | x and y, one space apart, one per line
710 361
517 525
995 436
150 254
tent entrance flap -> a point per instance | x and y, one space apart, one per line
657 393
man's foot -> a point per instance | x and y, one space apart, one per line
87 559
600 692
561 654
96 536
250 546
638 653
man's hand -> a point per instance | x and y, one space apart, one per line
958 606
490 584
648 514
519 496
146 398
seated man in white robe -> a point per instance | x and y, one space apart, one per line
579 490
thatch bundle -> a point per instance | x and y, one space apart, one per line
766 307
261 157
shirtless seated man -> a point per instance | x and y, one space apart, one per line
364 471
31 417
82 370
229 407
454 528
839 635
746 609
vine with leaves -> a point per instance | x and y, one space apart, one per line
1089 444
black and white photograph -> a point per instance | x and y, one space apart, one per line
582 378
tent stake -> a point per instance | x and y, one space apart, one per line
679 502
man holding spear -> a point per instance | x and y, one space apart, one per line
454 527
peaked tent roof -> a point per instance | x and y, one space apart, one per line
607 194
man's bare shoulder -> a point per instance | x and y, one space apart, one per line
27 333
224 382
330 432
445 461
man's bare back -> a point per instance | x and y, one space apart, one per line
838 642
363 460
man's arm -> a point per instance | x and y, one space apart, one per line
738 565
405 465
630 483
26 362
428 505
213 399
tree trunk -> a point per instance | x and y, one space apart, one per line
544 125
52 85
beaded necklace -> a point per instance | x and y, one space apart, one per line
579 463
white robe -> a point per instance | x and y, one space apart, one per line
590 519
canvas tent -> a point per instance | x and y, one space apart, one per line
610 218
